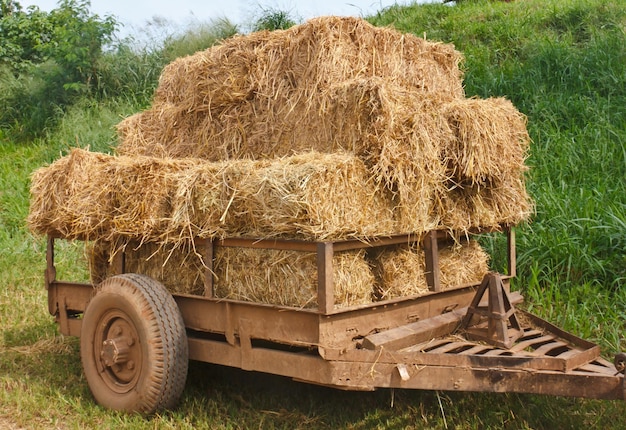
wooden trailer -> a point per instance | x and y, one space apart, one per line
137 338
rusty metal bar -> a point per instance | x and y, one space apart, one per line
278 244
51 271
431 251
209 250
325 281
280 324
118 265
311 246
512 258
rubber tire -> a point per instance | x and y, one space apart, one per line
146 311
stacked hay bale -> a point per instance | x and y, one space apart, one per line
330 130
401 271
280 277
309 196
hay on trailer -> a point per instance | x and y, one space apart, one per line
90 195
401 270
342 85
307 196
397 133
177 267
501 201
289 278
63 200
332 84
491 140
270 94
462 263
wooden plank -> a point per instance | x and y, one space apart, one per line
520 346
583 357
557 331
446 347
426 347
545 349
476 349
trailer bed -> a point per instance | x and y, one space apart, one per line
468 338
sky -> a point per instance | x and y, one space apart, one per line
135 14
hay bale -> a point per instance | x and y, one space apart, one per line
177 267
289 278
63 199
462 263
307 196
491 140
401 270
498 202
246 97
399 134
90 195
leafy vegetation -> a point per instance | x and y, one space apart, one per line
47 60
273 19
562 63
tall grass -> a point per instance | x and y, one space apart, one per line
563 63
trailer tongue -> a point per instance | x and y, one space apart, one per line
469 338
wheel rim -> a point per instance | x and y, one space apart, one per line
117 351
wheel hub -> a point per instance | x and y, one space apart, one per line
115 351
120 353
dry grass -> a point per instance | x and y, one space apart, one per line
290 277
287 278
401 271
246 97
491 140
307 196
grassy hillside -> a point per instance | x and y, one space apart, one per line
562 63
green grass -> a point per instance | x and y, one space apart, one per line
562 63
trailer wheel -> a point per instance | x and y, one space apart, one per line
133 345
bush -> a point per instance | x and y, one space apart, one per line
52 57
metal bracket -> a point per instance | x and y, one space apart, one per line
620 362
502 327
